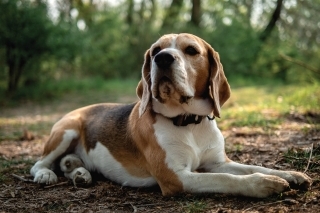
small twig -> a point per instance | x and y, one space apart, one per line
315 187
75 200
150 204
21 178
309 158
135 209
300 63
58 184
294 158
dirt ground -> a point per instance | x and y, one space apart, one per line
287 147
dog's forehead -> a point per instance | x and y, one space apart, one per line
178 40
167 40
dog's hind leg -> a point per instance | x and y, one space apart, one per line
73 168
58 143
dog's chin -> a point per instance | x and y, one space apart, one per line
167 92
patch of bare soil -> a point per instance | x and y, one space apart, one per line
245 145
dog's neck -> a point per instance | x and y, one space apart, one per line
184 120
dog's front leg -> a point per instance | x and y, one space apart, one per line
253 185
294 178
41 170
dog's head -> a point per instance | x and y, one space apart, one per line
182 74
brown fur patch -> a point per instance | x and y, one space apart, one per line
199 63
144 137
58 132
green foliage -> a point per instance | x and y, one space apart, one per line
23 35
28 38
106 48
97 40
51 89
22 23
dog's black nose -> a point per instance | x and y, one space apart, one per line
164 60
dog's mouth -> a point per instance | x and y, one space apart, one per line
166 90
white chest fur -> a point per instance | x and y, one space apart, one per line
189 147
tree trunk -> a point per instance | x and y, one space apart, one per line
196 12
129 17
172 14
272 23
14 78
141 11
153 10
16 65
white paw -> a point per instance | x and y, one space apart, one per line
45 176
80 176
261 185
296 179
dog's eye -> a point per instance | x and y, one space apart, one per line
190 50
155 51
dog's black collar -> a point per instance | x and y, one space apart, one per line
184 120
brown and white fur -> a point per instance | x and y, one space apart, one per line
139 145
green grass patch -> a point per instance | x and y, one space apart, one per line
267 106
299 158
19 166
193 204
256 119
49 90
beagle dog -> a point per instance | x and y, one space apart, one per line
169 137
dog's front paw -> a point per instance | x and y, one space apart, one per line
45 176
261 185
296 179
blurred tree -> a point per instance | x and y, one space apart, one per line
256 39
196 12
272 23
296 43
24 32
172 13
29 38
129 17
86 10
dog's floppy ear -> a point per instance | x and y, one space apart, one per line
219 88
143 88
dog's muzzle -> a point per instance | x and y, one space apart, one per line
169 81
